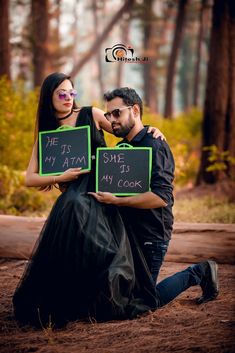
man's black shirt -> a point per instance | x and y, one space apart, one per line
156 223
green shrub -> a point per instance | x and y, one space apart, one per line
219 160
16 198
183 135
9 181
17 119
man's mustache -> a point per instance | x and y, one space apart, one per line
115 124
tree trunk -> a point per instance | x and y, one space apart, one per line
99 40
151 51
229 143
4 39
185 74
168 111
54 51
219 108
125 29
75 28
40 21
201 34
98 54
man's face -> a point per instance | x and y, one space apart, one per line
120 116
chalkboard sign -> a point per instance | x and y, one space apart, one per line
64 148
123 170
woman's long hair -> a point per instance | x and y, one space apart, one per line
46 119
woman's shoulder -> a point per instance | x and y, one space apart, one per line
84 112
87 108
93 112
85 116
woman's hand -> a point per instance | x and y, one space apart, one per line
70 174
156 133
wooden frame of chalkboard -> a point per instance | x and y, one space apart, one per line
123 170
64 148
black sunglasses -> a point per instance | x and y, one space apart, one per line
116 113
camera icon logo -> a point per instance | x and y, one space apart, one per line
118 53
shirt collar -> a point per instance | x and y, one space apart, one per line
138 137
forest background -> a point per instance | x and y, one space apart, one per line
184 70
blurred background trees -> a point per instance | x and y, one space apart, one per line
187 83
218 129
4 39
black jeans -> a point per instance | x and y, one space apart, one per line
154 252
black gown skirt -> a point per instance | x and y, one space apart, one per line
83 264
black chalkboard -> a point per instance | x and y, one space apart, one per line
64 148
123 170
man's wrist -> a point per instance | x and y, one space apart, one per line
55 179
121 201
115 200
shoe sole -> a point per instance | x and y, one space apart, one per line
214 274
214 278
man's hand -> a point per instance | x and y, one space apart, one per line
104 197
146 200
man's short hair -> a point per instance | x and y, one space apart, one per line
128 95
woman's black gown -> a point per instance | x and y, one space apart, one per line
83 265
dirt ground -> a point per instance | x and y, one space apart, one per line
181 326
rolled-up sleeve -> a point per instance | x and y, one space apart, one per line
163 167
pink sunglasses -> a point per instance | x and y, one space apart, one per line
62 95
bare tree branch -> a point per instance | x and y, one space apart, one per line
99 40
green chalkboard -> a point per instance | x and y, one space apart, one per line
124 170
64 148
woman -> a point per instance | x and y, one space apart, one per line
82 264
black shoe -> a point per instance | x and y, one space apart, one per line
210 283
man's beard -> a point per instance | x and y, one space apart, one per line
123 131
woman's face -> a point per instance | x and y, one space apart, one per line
62 98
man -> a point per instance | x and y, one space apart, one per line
148 216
